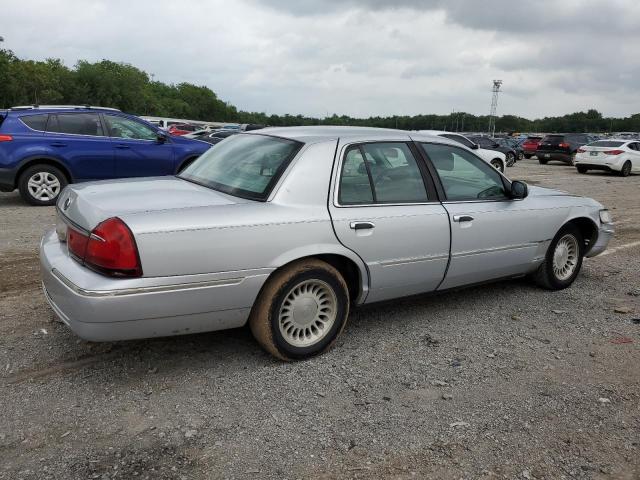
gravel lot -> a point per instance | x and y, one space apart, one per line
499 381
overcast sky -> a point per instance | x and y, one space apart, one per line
357 57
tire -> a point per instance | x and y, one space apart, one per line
49 179
527 156
572 159
547 276
520 156
542 162
582 169
497 164
510 159
626 169
274 324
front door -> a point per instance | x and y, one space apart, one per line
492 236
384 208
137 149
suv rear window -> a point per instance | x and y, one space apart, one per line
605 143
35 122
553 138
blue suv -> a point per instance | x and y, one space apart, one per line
44 148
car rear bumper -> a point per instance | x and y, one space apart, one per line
98 308
554 155
7 180
607 166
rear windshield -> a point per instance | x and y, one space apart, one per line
553 138
246 166
534 138
606 143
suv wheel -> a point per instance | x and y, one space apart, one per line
41 184
582 169
563 260
626 169
511 159
542 162
301 310
527 156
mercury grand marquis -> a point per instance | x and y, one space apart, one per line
286 229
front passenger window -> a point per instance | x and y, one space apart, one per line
121 127
464 176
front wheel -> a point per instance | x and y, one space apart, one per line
527 156
511 159
582 169
542 162
301 310
41 184
497 164
626 169
563 260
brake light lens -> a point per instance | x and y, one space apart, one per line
613 152
110 249
5 138
581 150
563 145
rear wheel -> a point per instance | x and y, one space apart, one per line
572 159
301 310
542 162
520 156
582 169
497 164
626 169
527 156
511 159
563 260
41 184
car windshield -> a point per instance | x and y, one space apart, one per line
245 165
605 143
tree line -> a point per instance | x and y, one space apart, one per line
124 86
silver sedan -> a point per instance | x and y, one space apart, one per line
289 228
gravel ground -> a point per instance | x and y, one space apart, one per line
499 381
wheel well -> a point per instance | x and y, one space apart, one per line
588 230
42 161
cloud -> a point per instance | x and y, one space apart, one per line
357 57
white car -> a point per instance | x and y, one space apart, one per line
496 159
621 156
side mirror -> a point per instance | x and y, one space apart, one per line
162 137
519 190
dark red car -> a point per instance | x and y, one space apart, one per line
530 145
182 129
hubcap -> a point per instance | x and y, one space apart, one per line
308 312
565 257
43 186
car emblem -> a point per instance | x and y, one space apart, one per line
67 203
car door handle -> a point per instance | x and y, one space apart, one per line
58 144
361 225
122 146
462 218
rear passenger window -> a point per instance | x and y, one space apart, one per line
381 173
76 124
35 122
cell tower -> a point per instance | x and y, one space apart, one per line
494 107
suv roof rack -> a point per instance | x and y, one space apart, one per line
70 107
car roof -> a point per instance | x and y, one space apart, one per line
35 109
310 134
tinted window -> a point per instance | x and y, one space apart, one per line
76 124
463 175
389 168
355 186
121 127
244 165
35 122
458 138
606 143
553 139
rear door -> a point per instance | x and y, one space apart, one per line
138 152
492 236
79 140
384 207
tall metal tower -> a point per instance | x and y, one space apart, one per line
494 107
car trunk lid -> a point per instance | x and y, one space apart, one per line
88 204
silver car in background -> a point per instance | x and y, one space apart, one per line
289 228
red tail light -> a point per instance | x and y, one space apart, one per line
5 138
613 152
109 249
581 150
563 145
